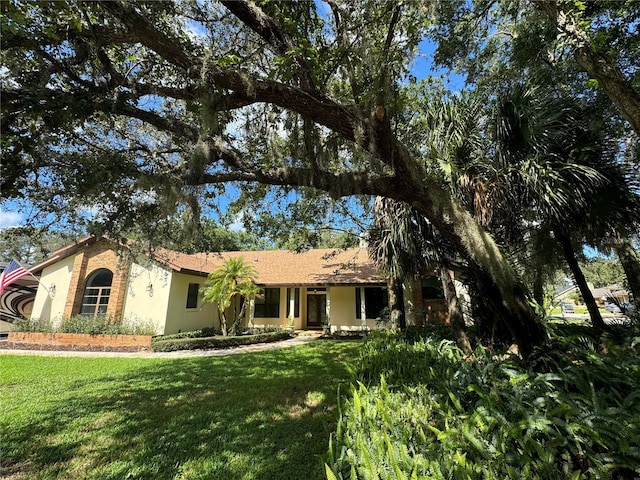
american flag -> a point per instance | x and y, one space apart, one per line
12 272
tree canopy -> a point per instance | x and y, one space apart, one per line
126 112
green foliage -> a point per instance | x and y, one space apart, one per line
401 358
440 417
171 345
85 324
192 235
204 332
30 245
603 271
235 278
39 325
210 332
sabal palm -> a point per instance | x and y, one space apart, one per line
234 278
554 175
451 140
402 243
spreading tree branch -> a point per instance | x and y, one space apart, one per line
269 29
599 65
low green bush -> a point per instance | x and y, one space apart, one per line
446 418
37 325
212 332
402 357
85 324
258 330
174 344
201 333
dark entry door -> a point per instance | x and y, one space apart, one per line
316 309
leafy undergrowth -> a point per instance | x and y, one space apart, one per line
420 410
255 416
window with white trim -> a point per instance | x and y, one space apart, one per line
375 300
97 291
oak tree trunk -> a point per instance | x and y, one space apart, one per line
506 321
596 63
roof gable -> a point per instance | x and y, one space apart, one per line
64 252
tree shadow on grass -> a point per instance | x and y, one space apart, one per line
256 416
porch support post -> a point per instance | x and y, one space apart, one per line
292 302
328 306
252 309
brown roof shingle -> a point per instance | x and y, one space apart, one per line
283 267
274 267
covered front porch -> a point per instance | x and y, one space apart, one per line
318 307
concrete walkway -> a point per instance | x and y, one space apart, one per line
307 337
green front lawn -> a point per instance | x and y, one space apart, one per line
578 309
253 416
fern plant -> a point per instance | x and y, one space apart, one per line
418 410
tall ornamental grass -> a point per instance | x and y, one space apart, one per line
420 410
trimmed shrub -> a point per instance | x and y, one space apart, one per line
174 344
212 332
204 332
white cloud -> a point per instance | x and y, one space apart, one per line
10 219
237 225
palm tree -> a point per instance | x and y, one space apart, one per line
456 150
555 174
223 287
402 243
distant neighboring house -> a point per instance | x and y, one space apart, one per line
603 295
342 288
565 294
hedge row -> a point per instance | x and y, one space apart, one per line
174 344
202 333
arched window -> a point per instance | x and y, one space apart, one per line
96 293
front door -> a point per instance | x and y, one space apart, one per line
316 309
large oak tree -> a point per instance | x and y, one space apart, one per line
133 108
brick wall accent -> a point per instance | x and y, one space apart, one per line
101 254
415 298
77 340
431 311
78 273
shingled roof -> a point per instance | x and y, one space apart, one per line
275 267
283 267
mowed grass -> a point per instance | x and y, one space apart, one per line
253 416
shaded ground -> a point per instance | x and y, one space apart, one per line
262 416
